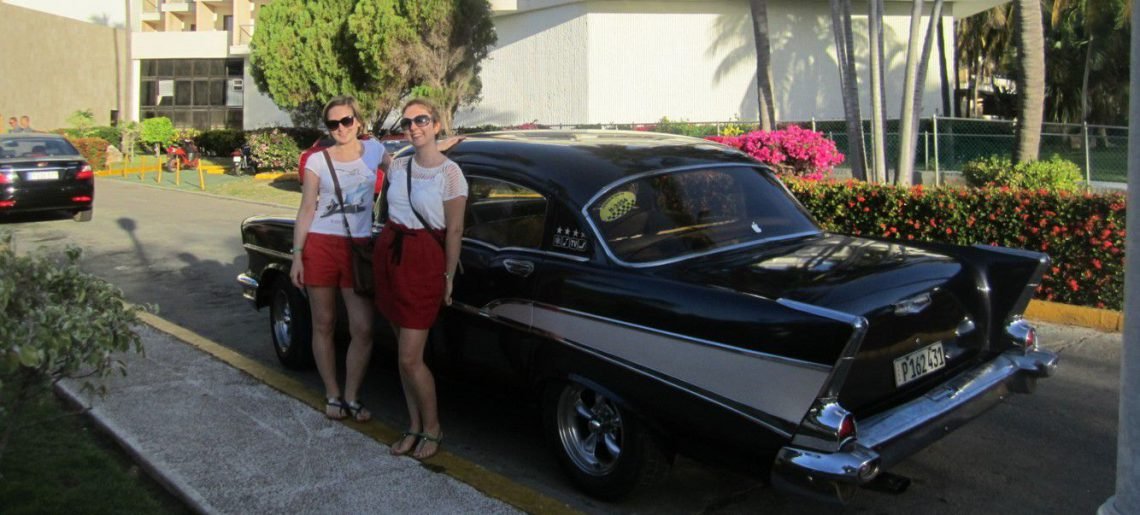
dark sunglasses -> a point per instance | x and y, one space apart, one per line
420 121
333 124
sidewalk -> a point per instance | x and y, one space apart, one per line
225 442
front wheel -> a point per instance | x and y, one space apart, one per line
291 325
605 450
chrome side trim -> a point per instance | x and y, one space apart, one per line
842 367
267 251
547 253
786 393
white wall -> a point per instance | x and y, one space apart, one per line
260 111
538 70
180 45
621 61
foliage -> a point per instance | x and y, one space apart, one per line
274 149
58 322
1055 174
219 142
790 151
130 132
684 128
186 133
113 135
81 120
94 150
157 131
1083 233
433 45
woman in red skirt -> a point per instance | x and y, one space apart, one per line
415 259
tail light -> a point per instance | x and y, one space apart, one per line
81 198
1022 333
85 173
5 177
846 427
7 203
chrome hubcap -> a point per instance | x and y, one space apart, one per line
282 321
590 429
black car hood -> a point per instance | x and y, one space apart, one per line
845 273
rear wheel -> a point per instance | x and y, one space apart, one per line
84 216
291 325
605 450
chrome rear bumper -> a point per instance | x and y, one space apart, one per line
889 437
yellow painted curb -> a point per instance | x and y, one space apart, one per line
488 482
267 176
1066 314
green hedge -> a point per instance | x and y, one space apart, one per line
1083 233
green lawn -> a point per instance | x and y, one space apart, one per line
66 466
284 190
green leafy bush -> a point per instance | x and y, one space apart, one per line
156 131
219 142
94 150
684 128
1083 233
109 134
274 150
1055 174
58 322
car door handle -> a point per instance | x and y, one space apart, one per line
519 267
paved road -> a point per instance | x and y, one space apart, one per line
1052 452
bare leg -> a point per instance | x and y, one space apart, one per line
322 305
419 387
360 348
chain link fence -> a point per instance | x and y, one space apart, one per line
944 145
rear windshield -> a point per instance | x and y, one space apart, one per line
46 146
681 213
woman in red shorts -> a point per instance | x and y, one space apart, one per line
415 260
325 222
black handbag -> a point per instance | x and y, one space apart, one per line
362 281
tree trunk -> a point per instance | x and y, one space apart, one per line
906 120
920 84
764 101
841 27
1031 81
878 134
1085 81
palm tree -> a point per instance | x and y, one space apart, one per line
765 101
1031 79
983 41
878 109
845 54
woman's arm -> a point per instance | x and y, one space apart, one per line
305 214
453 240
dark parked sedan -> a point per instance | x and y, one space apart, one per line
44 172
662 294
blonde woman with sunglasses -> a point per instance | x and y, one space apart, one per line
322 262
415 260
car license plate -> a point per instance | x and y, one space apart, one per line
919 363
42 176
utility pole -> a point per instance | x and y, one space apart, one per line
1127 497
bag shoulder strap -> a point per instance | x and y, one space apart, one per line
339 195
411 205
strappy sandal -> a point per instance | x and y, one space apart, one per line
424 438
336 409
357 411
393 449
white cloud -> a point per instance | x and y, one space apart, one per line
104 12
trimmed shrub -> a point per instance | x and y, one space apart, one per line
1056 174
94 150
274 150
156 131
1083 233
684 128
789 151
220 142
111 134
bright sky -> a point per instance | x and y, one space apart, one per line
112 11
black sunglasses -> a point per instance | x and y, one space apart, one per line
333 124
420 121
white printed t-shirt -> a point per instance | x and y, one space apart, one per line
431 187
357 182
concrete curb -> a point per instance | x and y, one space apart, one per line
485 481
1065 314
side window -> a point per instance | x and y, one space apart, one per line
504 214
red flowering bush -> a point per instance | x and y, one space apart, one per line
790 151
1082 233
94 150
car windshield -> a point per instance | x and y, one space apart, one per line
681 213
47 146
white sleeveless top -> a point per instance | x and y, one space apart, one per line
357 183
431 187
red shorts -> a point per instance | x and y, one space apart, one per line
327 260
409 267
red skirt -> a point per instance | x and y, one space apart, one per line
409 266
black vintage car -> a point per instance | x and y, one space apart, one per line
663 294
44 172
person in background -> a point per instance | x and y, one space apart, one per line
26 124
13 125
415 260
322 262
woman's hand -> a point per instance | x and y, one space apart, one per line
296 273
447 291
